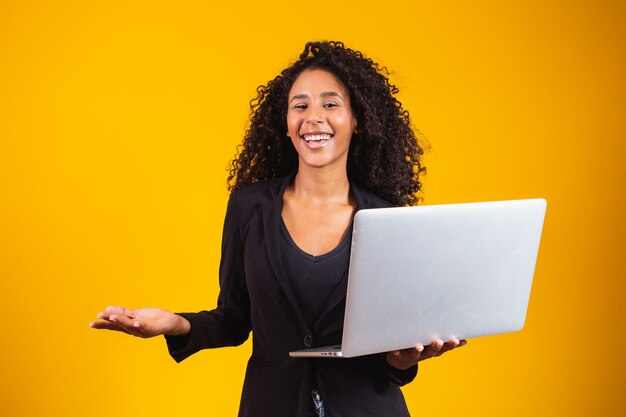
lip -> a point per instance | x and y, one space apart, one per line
316 136
316 139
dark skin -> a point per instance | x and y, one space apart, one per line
405 358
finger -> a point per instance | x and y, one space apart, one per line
451 344
129 326
141 329
124 322
116 310
106 325
418 349
132 327
405 358
434 348
412 355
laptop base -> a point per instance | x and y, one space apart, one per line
322 352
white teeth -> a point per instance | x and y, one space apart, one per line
316 137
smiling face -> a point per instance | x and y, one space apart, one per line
320 122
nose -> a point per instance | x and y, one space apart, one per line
315 116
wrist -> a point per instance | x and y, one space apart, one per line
182 327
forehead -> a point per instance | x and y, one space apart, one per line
316 81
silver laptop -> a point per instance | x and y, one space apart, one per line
418 274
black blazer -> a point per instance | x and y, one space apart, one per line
255 294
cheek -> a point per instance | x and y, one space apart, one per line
293 124
346 121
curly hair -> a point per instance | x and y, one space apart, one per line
385 156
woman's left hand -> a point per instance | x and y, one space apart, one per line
405 358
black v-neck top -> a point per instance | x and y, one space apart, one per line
313 278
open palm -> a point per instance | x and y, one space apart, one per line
142 322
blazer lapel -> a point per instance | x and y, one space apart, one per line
363 201
272 211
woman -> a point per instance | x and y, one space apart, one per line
327 138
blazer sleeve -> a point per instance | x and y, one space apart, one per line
229 323
398 376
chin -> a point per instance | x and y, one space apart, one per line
319 163
316 165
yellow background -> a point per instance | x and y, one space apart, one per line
118 119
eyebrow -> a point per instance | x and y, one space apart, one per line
324 94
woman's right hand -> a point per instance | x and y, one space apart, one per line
142 322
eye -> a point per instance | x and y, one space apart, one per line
300 106
330 105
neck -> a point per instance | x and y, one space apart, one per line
322 185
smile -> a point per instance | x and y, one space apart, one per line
316 137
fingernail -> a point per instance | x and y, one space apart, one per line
100 315
136 324
419 348
113 319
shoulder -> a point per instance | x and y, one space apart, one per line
250 199
246 204
258 192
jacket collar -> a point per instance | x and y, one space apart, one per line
272 210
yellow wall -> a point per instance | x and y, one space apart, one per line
118 118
